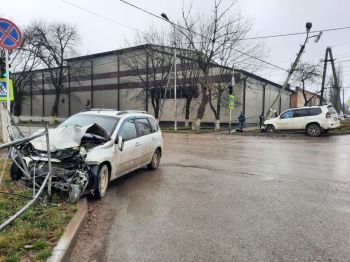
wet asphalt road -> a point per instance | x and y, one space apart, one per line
221 198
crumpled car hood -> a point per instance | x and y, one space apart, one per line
67 137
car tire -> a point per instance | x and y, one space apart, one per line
15 172
155 161
270 129
102 181
313 130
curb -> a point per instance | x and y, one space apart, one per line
65 245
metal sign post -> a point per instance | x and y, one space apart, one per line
10 38
231 105
8 103
231 102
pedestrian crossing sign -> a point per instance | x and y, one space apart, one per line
3 90
231 102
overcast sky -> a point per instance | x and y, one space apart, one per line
269 17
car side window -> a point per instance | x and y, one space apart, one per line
288 114
128 130
301 113
154 125
144 126
315 111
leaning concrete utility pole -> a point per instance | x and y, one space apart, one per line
292 69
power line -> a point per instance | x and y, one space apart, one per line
98 15
246 38
299 33
348 60
179 26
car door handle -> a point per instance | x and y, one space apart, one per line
153 138
137 144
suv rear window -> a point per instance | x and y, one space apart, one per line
332 110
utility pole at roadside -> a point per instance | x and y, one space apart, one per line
335 78
292 69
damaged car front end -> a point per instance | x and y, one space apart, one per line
69 148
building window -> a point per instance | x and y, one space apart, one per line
181 92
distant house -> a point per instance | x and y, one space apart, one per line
298 98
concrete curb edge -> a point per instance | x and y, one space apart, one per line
65 245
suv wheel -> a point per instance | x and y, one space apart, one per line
102 181
313 130
270 129
155 160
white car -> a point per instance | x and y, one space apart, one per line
91 148
313 119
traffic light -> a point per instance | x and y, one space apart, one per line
230 89
2 68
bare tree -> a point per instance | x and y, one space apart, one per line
307 74
53 43
23 62
188 74
217 93
211 37
152 64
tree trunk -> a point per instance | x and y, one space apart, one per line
187 122
54 110
217 124
201 110
187 112
196 124
17 107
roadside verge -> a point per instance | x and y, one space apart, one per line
65 245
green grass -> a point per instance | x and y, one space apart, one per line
33 235
344 130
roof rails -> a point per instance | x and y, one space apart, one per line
131 111
97 109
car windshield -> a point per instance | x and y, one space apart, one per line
106 122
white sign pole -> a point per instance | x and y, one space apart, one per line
8 104
229 124
233 85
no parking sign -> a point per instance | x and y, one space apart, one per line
10 35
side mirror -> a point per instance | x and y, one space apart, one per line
120 143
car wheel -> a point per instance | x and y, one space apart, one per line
270 129
155 160
313 130
102 181
15 172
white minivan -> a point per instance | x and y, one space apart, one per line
90 149
313 119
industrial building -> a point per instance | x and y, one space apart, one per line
114 80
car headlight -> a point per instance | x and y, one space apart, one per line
83 152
